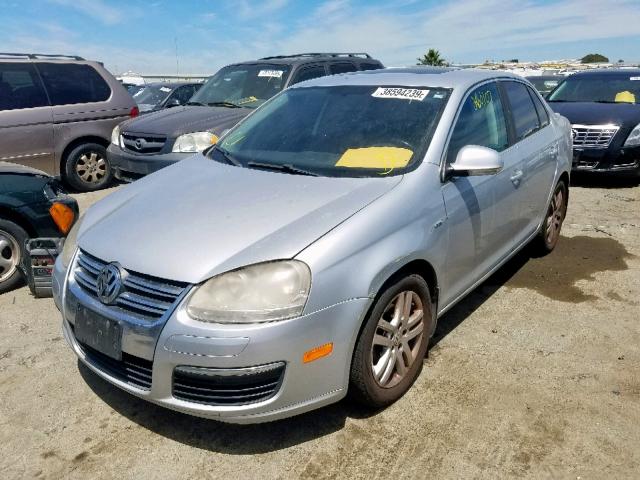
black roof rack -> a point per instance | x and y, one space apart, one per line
328 54
35 56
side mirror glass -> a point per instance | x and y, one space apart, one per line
475 160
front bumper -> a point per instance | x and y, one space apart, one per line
622 161
181 341
129 167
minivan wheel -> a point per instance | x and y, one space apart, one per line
391 347
86 168
12 240
549 233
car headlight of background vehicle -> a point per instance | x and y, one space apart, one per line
264 292
194 142
633 140
70 244
115 136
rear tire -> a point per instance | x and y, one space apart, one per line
549 233
12 251
392 345
86 168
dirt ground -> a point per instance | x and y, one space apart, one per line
535 374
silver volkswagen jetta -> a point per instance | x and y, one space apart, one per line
312 250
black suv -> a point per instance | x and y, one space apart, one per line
603 107
149 143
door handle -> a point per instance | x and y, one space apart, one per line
516 178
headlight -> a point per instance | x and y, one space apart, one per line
264 292
194 142
115 135
633 140
70 244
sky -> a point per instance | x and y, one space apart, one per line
200 36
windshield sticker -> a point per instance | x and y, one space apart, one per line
481 99
403 93
634 78
165 89
625 97
386 158
270 73
438 95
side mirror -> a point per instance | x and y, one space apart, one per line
475 160
174 102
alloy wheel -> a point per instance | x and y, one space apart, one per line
91 167
9 255
555 216
397 339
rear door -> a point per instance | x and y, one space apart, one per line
26 122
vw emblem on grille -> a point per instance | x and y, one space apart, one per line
109 283
140 143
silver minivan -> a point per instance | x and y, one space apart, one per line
310 252
57 113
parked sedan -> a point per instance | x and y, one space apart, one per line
545 83
160 95
603 107
311 251
32 205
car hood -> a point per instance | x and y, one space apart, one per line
172 122
198 218
588 113
6 167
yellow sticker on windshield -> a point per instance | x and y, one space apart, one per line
375 157
625 97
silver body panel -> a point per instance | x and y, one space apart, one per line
200 218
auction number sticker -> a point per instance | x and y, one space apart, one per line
270 73
402 93
634 78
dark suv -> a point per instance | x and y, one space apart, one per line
603 107
57 113
151 142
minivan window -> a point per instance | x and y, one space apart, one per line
481 122
244 85
344 67
524 114
309 73
20 87
340 131
69 83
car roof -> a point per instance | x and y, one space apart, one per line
608 72
436 77
168 84
302 58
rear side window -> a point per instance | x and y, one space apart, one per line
370 66
73 83
481 122
20 87
543 116
309 73
184 93
342 67
525 116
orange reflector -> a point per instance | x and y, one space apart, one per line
214 139
63 216
318 352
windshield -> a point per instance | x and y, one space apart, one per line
596 88
342 131
152 95
242 85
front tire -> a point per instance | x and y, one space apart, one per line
392 344
12 250
549 233
87 169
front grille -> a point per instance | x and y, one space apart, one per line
143 296
593 136
234 387
133 370
145 144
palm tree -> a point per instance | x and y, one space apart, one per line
432 57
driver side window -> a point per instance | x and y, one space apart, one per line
481 122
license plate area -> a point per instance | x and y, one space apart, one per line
98 332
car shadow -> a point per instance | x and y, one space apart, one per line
234 439
581 179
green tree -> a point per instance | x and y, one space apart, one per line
594 58
432 57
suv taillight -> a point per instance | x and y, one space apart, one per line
134 112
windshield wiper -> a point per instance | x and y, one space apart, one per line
286 168
223 104
231 160
199 104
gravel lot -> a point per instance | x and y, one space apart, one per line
535 374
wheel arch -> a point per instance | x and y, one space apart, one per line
76 142
20 220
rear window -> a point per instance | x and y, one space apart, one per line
20 87
69 84
525 116
370 66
